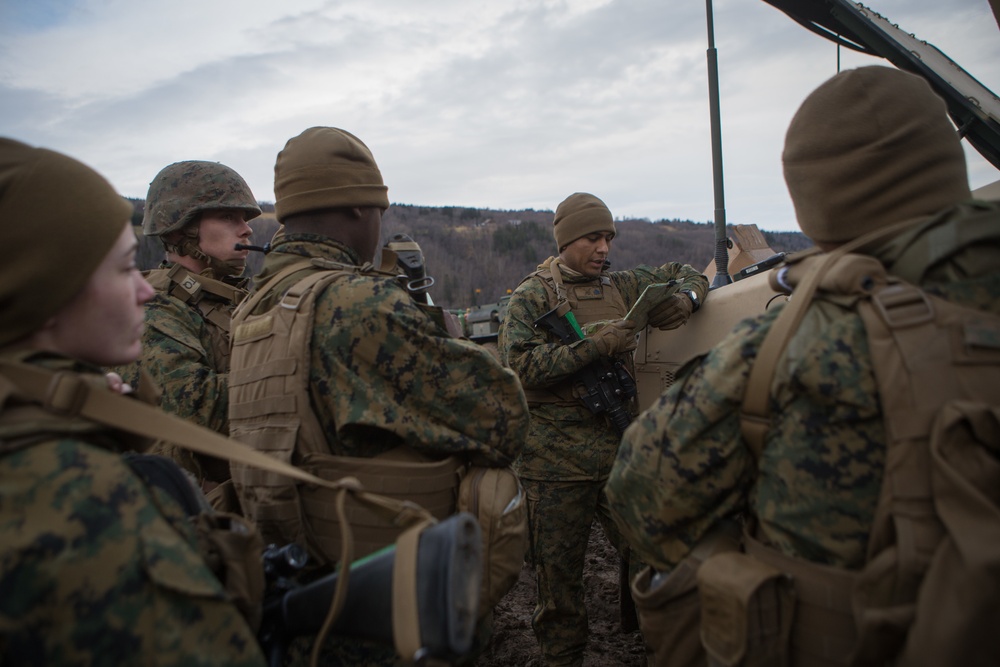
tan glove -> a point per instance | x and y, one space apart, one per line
614 338
671 312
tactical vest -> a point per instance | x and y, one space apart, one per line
591 301
270 410
214 299
937 525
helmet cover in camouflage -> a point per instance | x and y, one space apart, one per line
183 190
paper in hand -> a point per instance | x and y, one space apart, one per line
650 297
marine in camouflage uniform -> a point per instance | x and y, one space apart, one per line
382 372
418 386
96 567
869 148
569 451
186 340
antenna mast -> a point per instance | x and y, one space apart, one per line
722 276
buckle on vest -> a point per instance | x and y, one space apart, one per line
66 394
290 301
903 306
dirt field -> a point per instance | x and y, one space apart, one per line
514 645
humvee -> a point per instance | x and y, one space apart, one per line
740 288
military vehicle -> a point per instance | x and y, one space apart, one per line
482 323
739 278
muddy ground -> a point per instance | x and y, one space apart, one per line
513 644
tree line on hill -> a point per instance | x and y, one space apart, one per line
476 256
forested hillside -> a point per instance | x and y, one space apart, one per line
477 255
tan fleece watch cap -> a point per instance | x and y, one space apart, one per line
326 167
870 147
58 220
578 215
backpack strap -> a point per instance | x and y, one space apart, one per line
755 412
755 415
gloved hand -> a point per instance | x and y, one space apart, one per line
615 338
671 312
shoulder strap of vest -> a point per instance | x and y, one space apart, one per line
551 278
191 288
250 303
755 412
322 267
65 393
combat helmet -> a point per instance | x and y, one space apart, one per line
181 192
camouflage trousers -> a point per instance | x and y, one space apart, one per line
561 515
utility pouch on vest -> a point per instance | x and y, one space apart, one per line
232 549
495 497
669 608
429 484
747 608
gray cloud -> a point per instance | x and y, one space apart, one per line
507 106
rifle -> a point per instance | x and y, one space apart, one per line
410 260
448 578
607 384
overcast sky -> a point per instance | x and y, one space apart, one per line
510 104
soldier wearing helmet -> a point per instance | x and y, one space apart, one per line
95 567
199 210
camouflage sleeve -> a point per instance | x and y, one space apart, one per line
682 465
632 283
91 571
538 357
177 353
380 361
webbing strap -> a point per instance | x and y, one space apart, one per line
755 416
189 287
67 393
248 304
405 610
755 413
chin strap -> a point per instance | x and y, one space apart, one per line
188 247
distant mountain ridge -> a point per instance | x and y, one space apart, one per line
476 255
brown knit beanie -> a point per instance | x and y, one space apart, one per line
578 215
870 147
58 220
325 167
